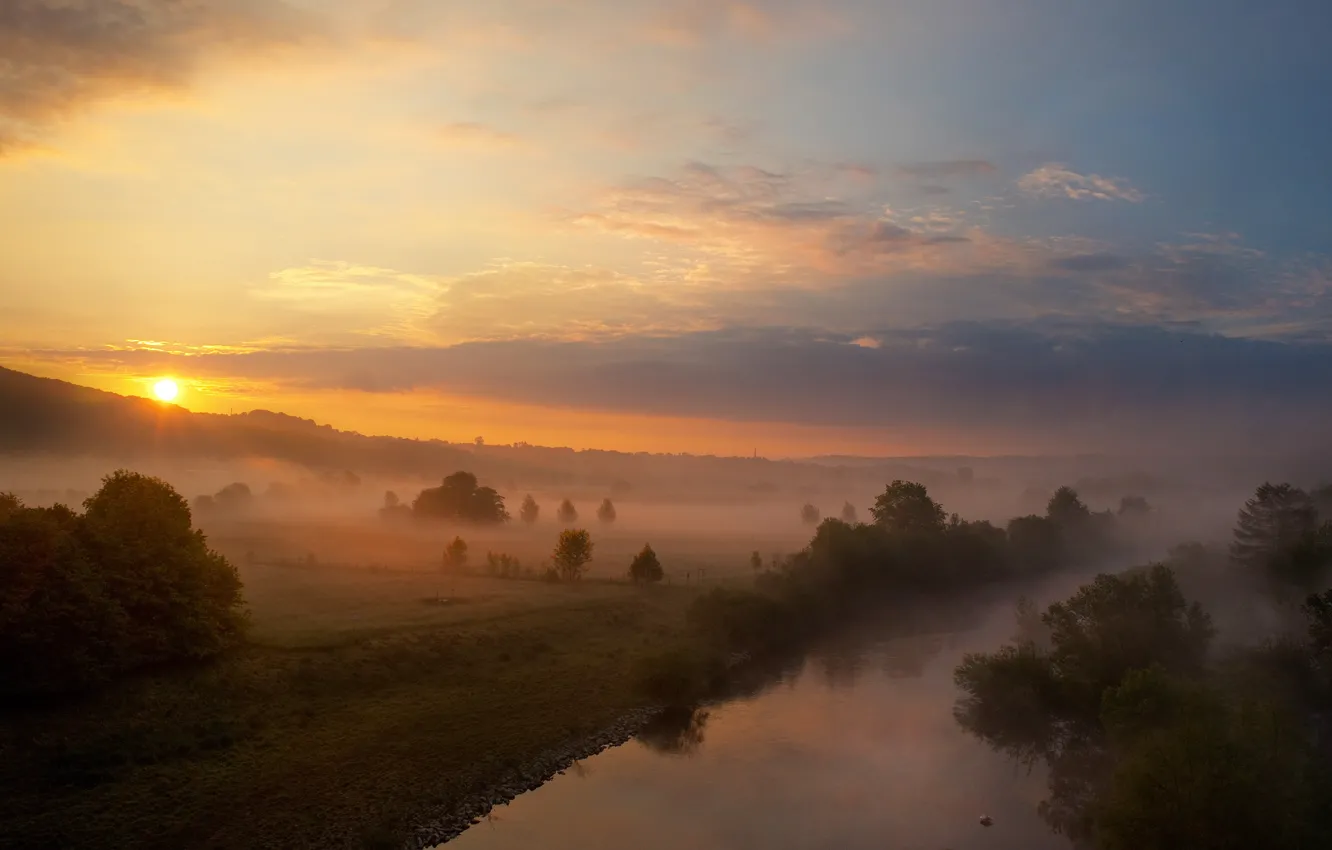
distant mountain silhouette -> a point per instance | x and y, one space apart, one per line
49 416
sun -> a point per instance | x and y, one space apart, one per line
166 389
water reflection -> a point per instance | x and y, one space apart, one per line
852 747
676 731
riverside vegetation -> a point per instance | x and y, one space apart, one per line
353 739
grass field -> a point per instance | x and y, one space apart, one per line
360 702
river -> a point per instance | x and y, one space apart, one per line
854 747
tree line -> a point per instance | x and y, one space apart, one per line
461 498
1155 738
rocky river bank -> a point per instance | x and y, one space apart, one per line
540 770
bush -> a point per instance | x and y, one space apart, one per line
680 676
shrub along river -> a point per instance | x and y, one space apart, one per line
852 747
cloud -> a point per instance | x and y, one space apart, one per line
759 227
1047 385
1099 262
61 56
1056 180
342 300
947 168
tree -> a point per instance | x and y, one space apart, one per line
459 497
234 498
645 568
1119 623
126 584
1134 506
572 553
606 513
455 556
809 515
567 513
849 513
393 507
530 510
1269 527
755 562
905 506
1066 509
503 565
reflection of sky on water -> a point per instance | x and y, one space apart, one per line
858 751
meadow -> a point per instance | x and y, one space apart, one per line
373 689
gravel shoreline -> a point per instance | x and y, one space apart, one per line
530 777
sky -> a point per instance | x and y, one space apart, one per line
894 227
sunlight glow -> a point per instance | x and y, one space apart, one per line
166 389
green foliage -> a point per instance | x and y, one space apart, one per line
740 620
459 498
530 510
679 676
567 513
606 511
128 583
572 553
809 514
645 568
1117 624
1197 767
905 506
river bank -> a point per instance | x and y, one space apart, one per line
338 743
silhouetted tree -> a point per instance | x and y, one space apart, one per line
1270 526
755 562
459 497
1066 509
606 512
1134 506
233 498
455 556
393 507
809 515
645 567
128 583
849 513
530 510
905 506
572 553
503 565
567 513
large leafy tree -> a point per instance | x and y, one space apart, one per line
128 583
459 497
905 506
